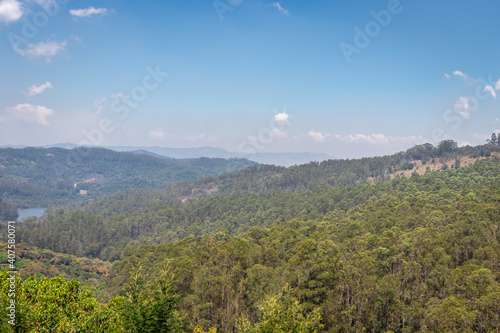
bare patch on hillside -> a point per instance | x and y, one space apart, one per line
438 164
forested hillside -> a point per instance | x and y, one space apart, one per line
262 179
250 252
38 177
33 261
126 219
418 259
8 210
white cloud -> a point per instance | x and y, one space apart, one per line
484 137
88 12
481 136
463 106
379 139
491 90
446 75
10 10
279 134
466 77
35 90
464 143
48 50
32 113
282 119
281 9
156 134
316 136
487 87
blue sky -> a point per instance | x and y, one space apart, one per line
345 78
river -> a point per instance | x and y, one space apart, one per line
30 212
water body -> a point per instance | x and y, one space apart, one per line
27 212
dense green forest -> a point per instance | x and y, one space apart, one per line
337 246
262 179
105 232
43 177
8 210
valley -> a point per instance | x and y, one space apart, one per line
352 241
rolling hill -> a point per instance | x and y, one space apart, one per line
46 177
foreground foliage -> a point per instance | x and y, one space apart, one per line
56 305
30 261
283 313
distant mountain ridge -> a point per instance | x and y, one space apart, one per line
279 159
39 177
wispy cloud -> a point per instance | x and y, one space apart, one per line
489 85
376 139
281 9
279 133
463 107
42 49
117 95
32 113
35 90
86 12
484 137
10 10
465 77
316 136
156 134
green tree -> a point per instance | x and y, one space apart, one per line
283 313
494 140
56 305
449 315
151 306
